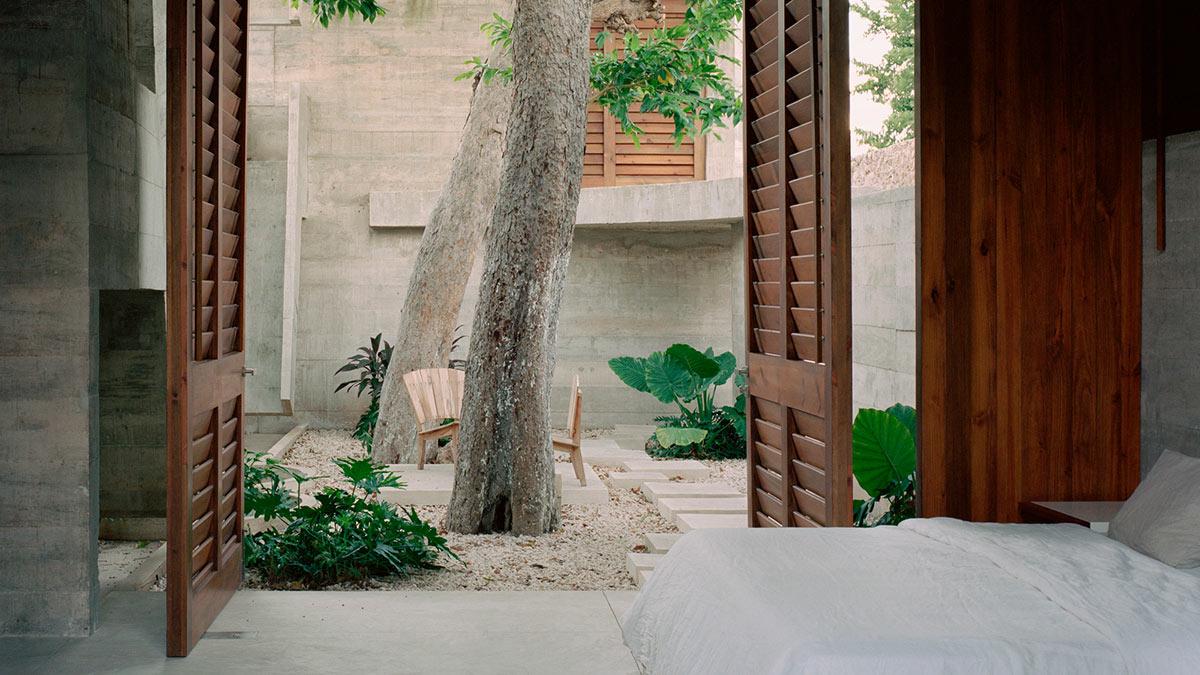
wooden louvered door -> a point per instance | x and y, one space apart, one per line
206 163
798 263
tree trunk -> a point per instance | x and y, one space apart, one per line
451 239
505 475
443 265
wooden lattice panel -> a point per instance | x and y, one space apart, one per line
797 264
612 158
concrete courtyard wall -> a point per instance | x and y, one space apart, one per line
1171 305
884 300
385 116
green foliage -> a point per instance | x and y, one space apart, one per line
348 536
371 362
267 495
673 71
688 378
325 11
893 80
885 463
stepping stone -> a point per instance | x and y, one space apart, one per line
432 485
637 562
655 491
660 542
598 444
642 577
637 479
595 492
612 459
687 469
670 507
633 436
686 522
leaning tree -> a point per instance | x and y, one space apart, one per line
671 70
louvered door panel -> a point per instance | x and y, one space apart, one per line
798 337
206 204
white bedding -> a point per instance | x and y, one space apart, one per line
929 596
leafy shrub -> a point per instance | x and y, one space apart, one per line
689 378
371 362
885 464
348 536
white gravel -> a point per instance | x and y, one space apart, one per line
586 553
118 559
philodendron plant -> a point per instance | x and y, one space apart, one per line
688 378
885 464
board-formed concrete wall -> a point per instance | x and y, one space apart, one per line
883 274
1171 305
81 209
385 116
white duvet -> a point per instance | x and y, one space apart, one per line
928 596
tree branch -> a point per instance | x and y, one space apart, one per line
621 15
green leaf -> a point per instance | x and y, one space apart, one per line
667 379
631 370
884 451
907 416
696 362
728 364
672 436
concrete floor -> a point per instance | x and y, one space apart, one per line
358 631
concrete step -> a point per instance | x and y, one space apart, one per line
686 522
660 542
686 469
637 562
642 577
637 479
633 436
655 491
609 456
670 507
598 444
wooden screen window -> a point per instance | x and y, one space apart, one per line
612 158
797 196
206 161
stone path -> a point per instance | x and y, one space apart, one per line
666 484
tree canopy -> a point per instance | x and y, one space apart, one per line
892 80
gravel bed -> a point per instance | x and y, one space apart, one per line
118 559
586 553
729 471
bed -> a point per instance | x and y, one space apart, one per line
928 596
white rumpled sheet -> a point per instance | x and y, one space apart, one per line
929 596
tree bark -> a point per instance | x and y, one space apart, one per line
505 475
443 265
452 238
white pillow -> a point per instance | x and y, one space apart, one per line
1162 517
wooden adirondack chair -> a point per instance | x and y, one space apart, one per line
437 395
572 445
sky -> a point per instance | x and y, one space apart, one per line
864 113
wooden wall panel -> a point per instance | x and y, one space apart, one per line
1029 165
612 158
798 267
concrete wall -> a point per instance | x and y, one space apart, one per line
47 323
80 210
883 273
385 119
1171 305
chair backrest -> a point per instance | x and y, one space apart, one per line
575 411
436 393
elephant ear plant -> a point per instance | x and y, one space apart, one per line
885 464
688 378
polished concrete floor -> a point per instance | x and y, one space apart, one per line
352 632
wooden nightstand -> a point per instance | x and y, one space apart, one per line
1095 515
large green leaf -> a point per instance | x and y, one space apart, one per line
907 416
728 363
694 360
672 436
631 370
667 379
884 450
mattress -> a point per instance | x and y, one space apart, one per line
928 596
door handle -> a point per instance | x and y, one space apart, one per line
247 371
